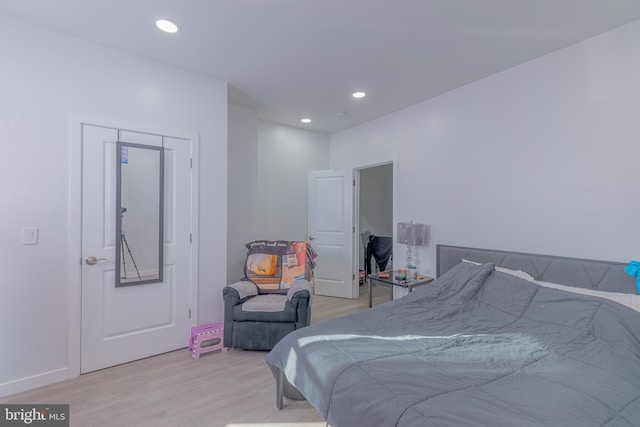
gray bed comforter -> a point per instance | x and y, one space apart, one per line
474 348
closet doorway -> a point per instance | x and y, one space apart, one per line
374 214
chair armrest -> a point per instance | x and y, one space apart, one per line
235 294
300 286
301 301
299 296
243 288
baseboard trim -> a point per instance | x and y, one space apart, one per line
34 381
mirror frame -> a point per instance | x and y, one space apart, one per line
118 213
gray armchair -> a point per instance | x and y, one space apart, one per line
256 319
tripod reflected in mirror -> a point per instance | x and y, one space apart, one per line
125 244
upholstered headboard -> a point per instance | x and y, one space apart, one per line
583 273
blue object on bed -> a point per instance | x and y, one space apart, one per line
475 347
633 269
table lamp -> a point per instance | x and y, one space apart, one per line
411 234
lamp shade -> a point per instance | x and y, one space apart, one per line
409 233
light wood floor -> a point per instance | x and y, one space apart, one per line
232 389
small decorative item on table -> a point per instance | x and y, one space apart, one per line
412 272
210 334
401 274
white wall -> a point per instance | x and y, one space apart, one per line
376 200
44 78
267 187
242 187
285 156
540 158
376 203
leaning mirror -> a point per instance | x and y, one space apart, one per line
139 213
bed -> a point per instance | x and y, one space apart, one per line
478 347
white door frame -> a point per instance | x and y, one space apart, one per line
75 224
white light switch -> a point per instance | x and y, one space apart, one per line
29 235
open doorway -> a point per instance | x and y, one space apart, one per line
374 215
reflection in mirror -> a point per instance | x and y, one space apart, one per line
139 214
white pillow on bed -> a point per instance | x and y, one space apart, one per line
518 273
630 300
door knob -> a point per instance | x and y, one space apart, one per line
93 260
311 238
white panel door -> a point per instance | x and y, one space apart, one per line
132 322
330 226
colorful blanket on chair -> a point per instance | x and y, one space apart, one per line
278 264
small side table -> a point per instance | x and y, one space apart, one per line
391 282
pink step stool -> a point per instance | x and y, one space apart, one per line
204 333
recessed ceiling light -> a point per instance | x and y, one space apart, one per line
359 95
167 26
305 120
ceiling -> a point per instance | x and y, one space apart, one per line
304 58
